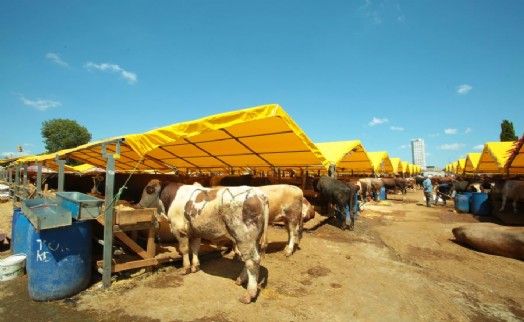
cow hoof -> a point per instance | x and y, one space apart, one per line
186 271
195 269
246 299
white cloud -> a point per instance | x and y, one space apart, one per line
450 131
129 76
377 120
396 128
468 130
452 146
464 89
434 135
404 146
40 104
55 58
479 147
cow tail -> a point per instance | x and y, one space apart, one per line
263 241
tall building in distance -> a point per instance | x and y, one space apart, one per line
418 153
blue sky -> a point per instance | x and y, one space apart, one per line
382 72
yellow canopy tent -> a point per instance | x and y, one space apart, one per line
472 161
461 163
46 160
515 162
403 167
86 168
259 137
350 157
396 164
381 162
494 157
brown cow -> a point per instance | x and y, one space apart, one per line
492 239
237 213
287 204
394 184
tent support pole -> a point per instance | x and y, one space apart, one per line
61 166
108 215
39 179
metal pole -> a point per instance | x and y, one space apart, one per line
38 179
61 164
24 192
108 215
17 182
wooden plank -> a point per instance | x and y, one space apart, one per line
131 244
118 267
131 227
128 217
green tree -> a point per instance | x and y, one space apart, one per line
62 134
507 133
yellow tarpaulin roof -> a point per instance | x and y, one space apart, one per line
515 163
381 162
494 157
403 167
461 163
472 161
396 164
348 156
259 137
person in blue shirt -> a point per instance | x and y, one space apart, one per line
428 188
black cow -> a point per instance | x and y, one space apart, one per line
443 192
461 186
340 194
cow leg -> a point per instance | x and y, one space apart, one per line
251 268
183 246
503 203
342 214
249 272
195 262
292 232
351 211
515 205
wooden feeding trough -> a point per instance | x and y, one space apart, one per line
130 227
126 225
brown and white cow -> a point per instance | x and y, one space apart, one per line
510 189
288 205
237 213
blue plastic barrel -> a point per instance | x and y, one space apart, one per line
462 202
479 204
19 230
383 195
59 263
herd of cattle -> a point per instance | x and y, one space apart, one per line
241 214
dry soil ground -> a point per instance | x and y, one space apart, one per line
399 264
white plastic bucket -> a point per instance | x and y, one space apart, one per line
12 267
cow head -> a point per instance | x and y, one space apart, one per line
150 194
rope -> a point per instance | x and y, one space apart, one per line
116 198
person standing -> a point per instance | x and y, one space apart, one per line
428 188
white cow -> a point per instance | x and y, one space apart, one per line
287 204
240 214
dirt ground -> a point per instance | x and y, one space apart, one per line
399 264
